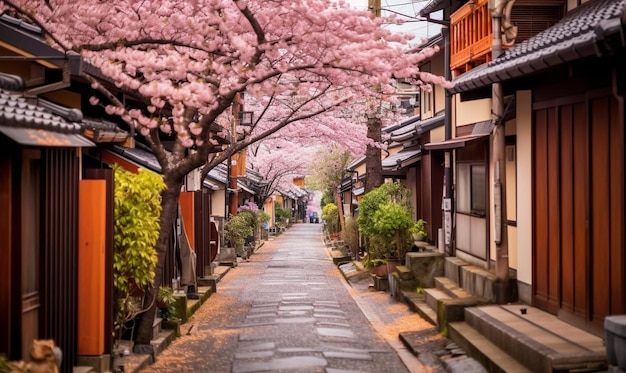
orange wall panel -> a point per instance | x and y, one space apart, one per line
91 266
186 206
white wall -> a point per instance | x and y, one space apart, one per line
524 187
470 112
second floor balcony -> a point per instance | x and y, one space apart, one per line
471 30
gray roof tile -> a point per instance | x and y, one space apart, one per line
15 111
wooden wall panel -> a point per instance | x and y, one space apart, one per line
566 209
554 216
540 245
600 208
616 174
106 174
581 220
59 245
91 267
187 209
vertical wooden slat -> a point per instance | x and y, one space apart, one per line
59 259
581 220
600 208
554 216
540 244
567 216
616 174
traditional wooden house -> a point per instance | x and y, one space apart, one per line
556 93
43 193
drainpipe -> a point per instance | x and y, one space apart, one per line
448 213
499 166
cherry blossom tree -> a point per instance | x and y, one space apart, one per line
187 62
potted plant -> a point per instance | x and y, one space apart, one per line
384 219
418 230
236 231
166 302
391 223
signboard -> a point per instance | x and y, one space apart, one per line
447 226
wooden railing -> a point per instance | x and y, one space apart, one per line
470 36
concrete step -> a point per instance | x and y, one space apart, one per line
539 340
451 288
478 281
156 327
82 369
433 296
452 268
417 303
492 357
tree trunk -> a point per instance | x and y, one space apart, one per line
169 203
373 161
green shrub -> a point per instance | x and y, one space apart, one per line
391 223
330 214
137 208
282 215
237 229
384 219
350 235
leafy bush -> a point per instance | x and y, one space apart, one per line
384 219
371 201
237 229
419 228
391 223
350 235
330 214
137 210
282 215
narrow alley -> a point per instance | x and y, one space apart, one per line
289 309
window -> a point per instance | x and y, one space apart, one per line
471 188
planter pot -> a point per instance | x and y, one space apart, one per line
392 264
381 270
418 237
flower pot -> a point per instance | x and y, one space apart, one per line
418 237
381 270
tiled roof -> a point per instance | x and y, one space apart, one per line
15 111
572 38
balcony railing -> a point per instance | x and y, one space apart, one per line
470 36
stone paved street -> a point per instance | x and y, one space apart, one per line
287 309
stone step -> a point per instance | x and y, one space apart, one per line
493 358
478 281
417 303
433 296
452 268
404 273
82 369
539 340
156 327
451 288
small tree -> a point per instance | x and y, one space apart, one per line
282 215
330 214
372 200
391 223
237 229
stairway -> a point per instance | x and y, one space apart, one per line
503 338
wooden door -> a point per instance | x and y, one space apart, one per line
578 248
